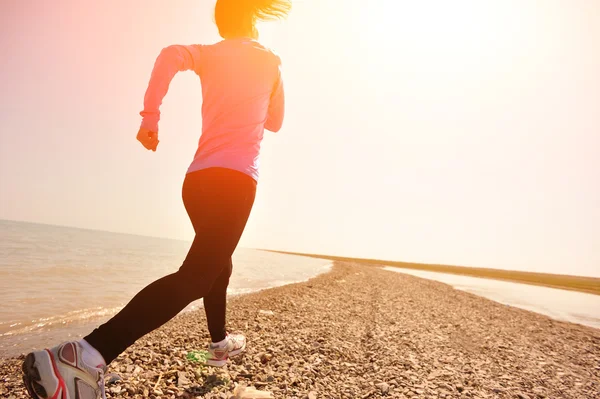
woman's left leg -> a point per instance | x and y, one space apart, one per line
215 305
218 202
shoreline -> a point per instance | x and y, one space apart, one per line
23 341
363 332
589 285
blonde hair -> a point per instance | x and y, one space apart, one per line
239 17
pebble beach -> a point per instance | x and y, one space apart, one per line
360 332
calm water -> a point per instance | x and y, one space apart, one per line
57 279
571 306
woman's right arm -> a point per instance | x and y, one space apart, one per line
276 106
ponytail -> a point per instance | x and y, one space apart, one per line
270 10
234 17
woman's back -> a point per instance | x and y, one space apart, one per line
242 88
242 91
242 94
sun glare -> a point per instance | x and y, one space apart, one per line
460 34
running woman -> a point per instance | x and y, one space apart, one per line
243 95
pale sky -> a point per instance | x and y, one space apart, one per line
457 132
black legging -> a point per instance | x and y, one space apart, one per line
218 202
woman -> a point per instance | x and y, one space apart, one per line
242 95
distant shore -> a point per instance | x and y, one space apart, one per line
590 285
363 332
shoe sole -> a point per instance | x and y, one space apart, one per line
31 378
223 362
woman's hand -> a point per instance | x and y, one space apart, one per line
148 139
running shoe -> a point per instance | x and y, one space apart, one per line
61 373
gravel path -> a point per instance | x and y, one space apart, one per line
362 332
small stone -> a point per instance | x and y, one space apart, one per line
115 390
312 395
242 392
265 358
460 388
445 386
113 379
266 312
182 379
522 396
383 387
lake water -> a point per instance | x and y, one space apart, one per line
571 306
60 280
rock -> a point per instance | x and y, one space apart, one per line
384 388
521 395
115 390
266 312
113 378
445 386
312 395
182 379
243 392
460 388
265 358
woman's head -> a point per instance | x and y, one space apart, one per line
238 18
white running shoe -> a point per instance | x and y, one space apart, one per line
60 373
218 355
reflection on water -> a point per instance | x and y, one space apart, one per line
571 306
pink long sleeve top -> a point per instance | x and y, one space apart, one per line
242 94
